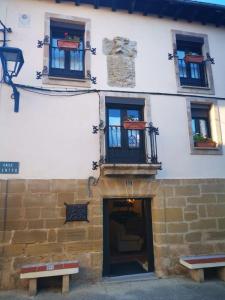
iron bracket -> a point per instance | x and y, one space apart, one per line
210 59
96 129
89 48
92 79
151 128
172 56
96 165
45 41
40 74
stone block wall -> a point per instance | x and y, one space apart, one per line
188 218
33 228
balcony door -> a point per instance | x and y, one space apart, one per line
124 146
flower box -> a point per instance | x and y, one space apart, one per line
205 144
68 44
193 58
138 125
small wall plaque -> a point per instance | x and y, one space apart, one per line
8 167
76 212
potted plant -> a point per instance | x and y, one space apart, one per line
69 42
130 123
203 142
193 58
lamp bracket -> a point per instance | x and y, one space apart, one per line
40 74
45 41
5 30
15 94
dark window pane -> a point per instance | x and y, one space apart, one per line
114 128
133 138
76 58
133 135
58 56
201 120
203 128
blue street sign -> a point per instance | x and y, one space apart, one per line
9 167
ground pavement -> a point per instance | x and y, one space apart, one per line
153 289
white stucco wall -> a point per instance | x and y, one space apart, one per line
52 137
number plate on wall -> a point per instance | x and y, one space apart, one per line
8 167
76 212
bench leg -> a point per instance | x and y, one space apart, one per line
32 286
65 284
221 273
197 275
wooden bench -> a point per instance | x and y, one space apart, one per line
64 269
197 264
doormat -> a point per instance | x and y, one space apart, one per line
126 268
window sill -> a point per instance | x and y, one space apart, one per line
196 89
75 82
207 150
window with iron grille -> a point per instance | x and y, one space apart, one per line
204 126
191 72
67 61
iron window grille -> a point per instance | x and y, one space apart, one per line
191 73
69 63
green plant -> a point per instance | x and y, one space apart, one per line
71 37
129 118
198 137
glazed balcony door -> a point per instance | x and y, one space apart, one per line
124 146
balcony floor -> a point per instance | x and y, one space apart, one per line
130 169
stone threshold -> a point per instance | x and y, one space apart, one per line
130 278
130 169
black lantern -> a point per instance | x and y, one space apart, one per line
12 61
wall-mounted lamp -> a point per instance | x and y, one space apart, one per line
12 61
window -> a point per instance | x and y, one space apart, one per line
191 73
204 126
201 120
66 62
63 64
124 145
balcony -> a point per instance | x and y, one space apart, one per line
192 74
130 151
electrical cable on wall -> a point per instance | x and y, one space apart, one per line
67 92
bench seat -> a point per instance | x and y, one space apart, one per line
197 264
35 271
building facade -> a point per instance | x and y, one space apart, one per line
88 186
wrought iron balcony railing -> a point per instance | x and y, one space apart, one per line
193 74
131 146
